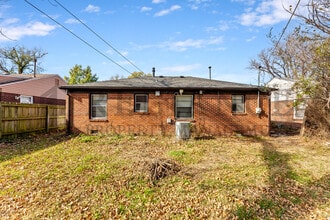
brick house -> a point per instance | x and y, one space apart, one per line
32 89
153 106
283 110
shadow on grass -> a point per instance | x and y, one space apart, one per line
27 144
285 197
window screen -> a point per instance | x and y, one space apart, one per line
26 99
184 106
141 103
238 104
98 106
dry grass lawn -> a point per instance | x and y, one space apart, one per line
108 177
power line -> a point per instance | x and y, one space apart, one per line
84 41
4 35
90 29
287 24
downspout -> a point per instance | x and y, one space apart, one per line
68 118
258 89
258 109
269 112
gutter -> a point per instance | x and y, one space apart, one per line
85 88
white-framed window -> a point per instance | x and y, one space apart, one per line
141 103
299 111
183 106
99 106
26 99
237 104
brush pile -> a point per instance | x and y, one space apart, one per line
161 168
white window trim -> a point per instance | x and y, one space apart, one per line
135 103
192 107
91 106
26 99
237 112
300 107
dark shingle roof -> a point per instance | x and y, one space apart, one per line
12 78
160 82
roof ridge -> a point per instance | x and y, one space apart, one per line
168 82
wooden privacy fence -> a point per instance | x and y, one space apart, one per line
22 118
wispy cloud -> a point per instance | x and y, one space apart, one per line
251 39
247 2
145 9
72 21
192 43
183 45
92 8
112 52
222 26
16 32
266 13
196 4
158 1
3 8
167 11
181 68
9 21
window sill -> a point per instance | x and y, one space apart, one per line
142 113
98 120
185 119
239 113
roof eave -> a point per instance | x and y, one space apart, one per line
84 88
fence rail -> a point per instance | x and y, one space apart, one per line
18 118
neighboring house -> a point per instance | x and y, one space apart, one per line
283 109
27 88
153 105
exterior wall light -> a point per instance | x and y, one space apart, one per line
180 91
258 110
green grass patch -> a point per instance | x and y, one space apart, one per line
266 203
243 212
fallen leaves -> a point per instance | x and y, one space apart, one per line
103 177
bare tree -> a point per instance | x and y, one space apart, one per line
318 15
291 58
116 77
20 60
304 55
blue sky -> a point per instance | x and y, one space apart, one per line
176 37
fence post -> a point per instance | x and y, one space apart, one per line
16 130
47 118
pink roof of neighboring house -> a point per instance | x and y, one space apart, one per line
4 79
43 85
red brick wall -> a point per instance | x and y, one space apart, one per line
282 112
212 115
